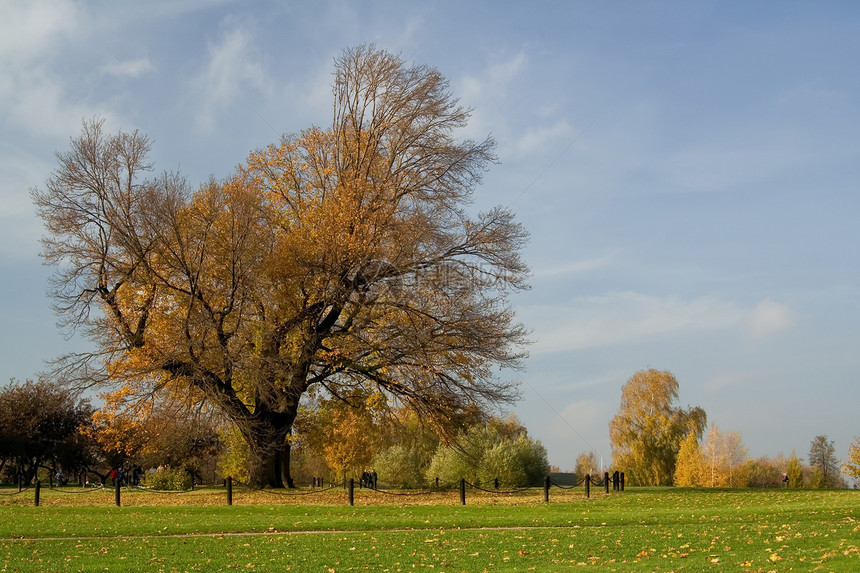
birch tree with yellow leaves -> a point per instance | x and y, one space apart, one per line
852 466
647 431
725 455
690 465
341 261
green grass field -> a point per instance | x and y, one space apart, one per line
660 529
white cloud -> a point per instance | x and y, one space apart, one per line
624 317
231 70
315 91
768 318
487 94
33 95
534 127
28 28
37 101
503 73
128 68
495 79
135 12
630 317
537 139
574 267
19 228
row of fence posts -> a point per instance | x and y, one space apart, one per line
617 481
118 494
38 493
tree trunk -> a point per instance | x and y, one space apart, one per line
267 437
286 467
271 469
265 470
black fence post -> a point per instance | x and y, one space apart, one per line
497 483
587 485
606 481
615 484
229 482
546 489
622 481
437 483
116 493
38 491
462 491
351 491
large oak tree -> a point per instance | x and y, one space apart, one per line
339 261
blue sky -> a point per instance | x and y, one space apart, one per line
688 172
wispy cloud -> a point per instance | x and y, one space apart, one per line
630 317
19 170
573 267
538 127
38 101
232 69
128 68
29 28
494 80
33 94
487 93
539 138
768 318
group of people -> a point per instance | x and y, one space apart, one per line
368 479
118 475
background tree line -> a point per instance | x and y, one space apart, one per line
46 428
655 442
43 426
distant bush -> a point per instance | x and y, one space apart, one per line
173 479
401 466
499 449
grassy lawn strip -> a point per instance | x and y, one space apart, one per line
639 530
